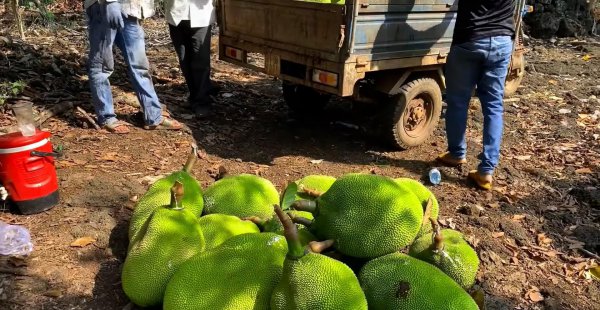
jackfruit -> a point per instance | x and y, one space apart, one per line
169 237
423 194
303 188
159 195
448 250
313 281
400 282
367 215
240 274
242 195
217 228
274 225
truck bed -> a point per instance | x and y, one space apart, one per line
375 29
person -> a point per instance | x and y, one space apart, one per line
479 56
118 22
190 30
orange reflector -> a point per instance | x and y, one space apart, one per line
234 53
324 77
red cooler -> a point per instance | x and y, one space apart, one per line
27 171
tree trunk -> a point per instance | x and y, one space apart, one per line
18 17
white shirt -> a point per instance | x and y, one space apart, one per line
200 13
139 9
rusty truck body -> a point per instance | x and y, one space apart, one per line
385 51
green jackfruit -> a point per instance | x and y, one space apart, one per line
302 188
400 282
169 237
240 274
367 215
243 195
312 281
274 225
217 228
448 250
159 195
424 194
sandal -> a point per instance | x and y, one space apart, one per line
167 123
118 127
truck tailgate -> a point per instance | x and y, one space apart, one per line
309 29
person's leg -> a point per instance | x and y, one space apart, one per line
182 44
100 65
199 66
134 52
491 94
462 71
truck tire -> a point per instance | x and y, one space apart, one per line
416 113
302 99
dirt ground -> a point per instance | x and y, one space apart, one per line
537 234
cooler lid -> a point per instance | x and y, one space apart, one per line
16 139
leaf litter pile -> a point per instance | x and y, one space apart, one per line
537 233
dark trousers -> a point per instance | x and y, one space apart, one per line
193 50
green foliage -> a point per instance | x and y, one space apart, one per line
10 90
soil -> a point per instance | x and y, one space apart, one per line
536 234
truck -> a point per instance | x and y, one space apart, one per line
389 53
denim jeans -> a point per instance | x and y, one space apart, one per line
130 40
482 63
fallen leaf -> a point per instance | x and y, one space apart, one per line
110 156
518 217
543 240
498 234
316 161
586 57
83 241
53 293
494 205
553 82
595 272
523 157
564 111
536 296
584 171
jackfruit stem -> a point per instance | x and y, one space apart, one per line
320 246
255 219
176 196
427 211
295 248
438 238
304 205
310 192
300 220
191 159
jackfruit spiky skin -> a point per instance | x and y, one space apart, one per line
317 282
274 224
242 195
167 240
400 282
217 228
316 182
457 259
368 215
159 194
240 274
423 194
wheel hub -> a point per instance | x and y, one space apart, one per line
416 116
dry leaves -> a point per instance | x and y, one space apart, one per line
584 171
518 217
82 242
542 240
498 234
535 296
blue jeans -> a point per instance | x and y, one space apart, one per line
130 40
482 63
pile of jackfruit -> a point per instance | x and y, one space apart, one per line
360 241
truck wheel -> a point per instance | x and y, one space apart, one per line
302 99
416 113
514 77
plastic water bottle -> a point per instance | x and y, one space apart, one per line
435 177
14 240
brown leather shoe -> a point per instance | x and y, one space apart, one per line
449 160
483 181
